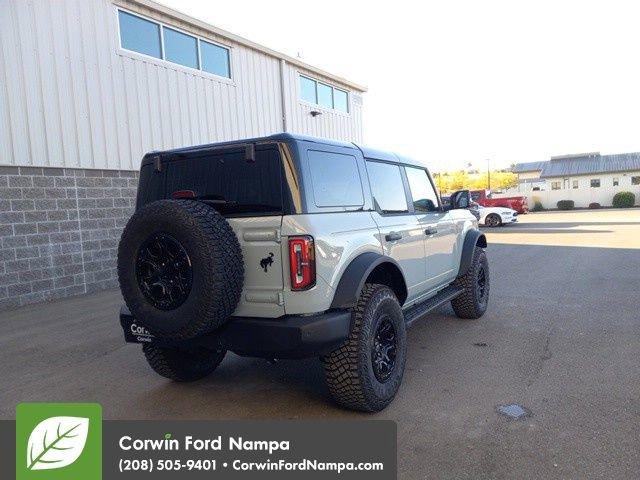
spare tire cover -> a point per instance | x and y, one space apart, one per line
180 268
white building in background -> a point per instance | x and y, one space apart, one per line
87 87
96 84
584 178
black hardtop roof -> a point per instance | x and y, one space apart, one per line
367 152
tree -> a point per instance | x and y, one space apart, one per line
448 182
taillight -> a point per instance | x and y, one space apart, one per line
302 261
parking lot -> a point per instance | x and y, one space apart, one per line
561 338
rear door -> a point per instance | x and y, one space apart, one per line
259 238
249 193
401 233
438 227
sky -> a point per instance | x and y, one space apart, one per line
454 82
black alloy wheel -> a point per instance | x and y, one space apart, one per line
383 350
164 271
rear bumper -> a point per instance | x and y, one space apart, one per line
290 336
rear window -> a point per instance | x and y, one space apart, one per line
335 179
223 178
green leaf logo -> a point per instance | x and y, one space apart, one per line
56 442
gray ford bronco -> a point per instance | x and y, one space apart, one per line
291 247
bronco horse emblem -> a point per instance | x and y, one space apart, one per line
265 263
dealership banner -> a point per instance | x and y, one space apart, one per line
71 441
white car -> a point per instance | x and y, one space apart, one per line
496 216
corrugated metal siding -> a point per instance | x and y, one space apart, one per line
71 97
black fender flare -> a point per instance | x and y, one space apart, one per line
472 240
355 275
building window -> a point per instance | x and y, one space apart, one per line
139 35
340 100
595 182
180 48
555 185
215 59
635 180
575 184
308 90
160 41
323 95
616 181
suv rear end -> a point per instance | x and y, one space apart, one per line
259 188
246 184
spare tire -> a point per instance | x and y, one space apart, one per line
180 268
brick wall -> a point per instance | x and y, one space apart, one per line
59 231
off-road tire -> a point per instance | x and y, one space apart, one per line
216 264
182 365
348 370
495 221
470 304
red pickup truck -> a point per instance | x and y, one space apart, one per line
483 197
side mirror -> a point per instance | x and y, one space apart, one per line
460 199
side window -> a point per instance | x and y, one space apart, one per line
387 187
422 193
335 179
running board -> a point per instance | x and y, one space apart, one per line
416 312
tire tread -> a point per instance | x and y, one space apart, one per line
465 305
169 364
342 367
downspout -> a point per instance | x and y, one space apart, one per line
283 95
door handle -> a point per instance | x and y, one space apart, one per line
392 237
431 231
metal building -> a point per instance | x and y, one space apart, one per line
88 86
585 178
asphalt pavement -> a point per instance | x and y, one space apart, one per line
561 338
